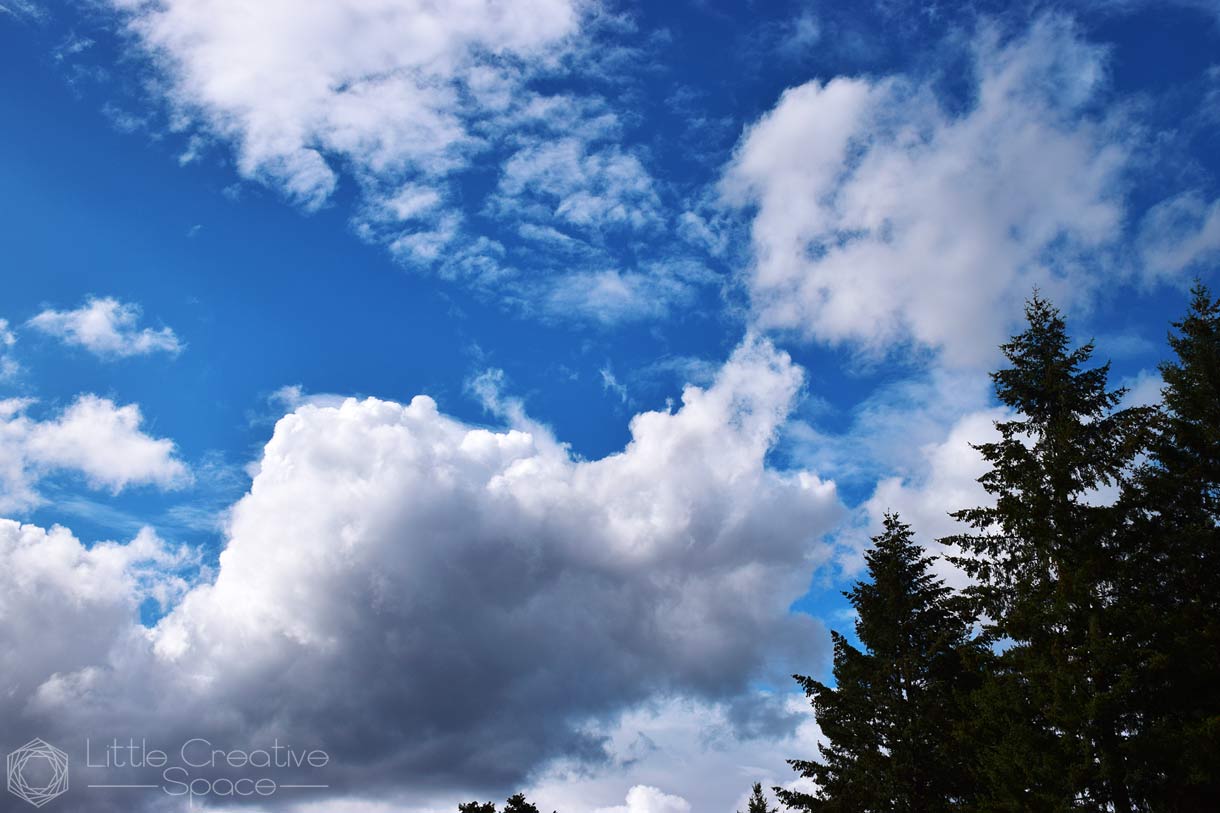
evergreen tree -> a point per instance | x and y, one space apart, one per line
892 720
1175 585
515 804
1047 559
758 802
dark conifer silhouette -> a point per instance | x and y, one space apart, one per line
758 801
1173 589
893 718
1047 558
477 807
515 804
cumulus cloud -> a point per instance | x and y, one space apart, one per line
93 437
104 442
438 604
645 799
68 607
881 218
107 328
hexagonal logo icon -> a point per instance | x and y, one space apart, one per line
38 772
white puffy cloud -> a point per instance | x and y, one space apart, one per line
107 328
678 754
94 437
104 442
16 481
306 90
881 218
410 101
68 608
439 604
645 799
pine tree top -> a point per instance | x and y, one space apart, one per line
903 604
1066 437
1193 378
758 801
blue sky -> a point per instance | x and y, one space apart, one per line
550 217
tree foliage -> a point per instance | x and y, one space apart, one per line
891 719
1174 587
758 801
515 804
1047 559
1094 568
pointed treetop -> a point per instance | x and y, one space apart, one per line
758 801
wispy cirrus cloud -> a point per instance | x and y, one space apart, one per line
418 107
1180 234
107 328
8 365
23 10
564 180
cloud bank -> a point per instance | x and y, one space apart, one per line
439 604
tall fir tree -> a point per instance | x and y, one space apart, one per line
1047 559
893 718
758 801
1175 583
